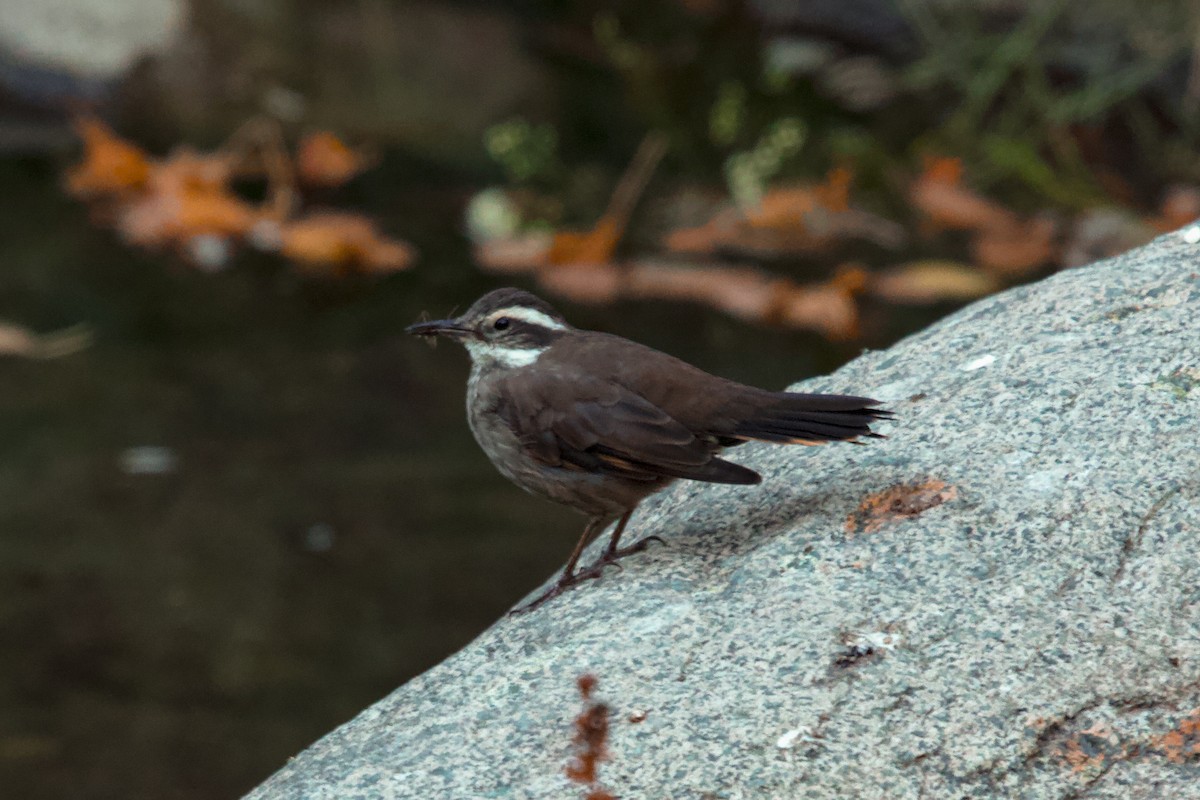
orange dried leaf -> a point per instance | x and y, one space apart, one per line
784 207
834 193
110 164
323 159
942 169
592 247
748 294
515 255
938 192
585 283
828 309
797 218
342 244
704 239
186 196
1016 250
741 292
1180 206
922 282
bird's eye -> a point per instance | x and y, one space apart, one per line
502 323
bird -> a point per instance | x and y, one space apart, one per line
598 422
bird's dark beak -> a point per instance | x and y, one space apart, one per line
450 328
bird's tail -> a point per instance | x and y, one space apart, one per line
791 418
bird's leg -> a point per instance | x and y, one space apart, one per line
612 553
569 575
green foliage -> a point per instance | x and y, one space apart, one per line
526 152
747 172
1014 115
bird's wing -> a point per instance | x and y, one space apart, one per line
600 426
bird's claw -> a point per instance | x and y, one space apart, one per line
608 558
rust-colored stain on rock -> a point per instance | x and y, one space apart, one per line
898 502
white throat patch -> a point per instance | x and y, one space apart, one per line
510 357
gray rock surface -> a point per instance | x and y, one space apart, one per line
1036 635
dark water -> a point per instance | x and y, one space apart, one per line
329 528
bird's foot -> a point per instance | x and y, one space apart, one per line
608 558
612 555
564 583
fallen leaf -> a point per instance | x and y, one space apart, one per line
16 340
939 193
1180 206
322 159
828 309
788 206
110 164
795 218
924 282
1014 251
591 247
596 283
342 244
187 198
515 255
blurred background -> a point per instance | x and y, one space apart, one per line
237 505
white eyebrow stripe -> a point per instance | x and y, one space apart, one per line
530 315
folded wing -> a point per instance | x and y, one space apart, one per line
600 426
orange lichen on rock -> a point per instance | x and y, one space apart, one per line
1088 750
341 244
1182 743
898 502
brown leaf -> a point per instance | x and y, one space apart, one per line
924 282
322 159
186 196
749 294
1014 251
514 256
796 218
828 309
591 247
16 340
1180 206
938 192
110 164
585 283
342 244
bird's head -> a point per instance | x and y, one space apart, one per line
506 328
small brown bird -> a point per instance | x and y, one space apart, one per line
599 423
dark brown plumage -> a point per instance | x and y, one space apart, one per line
599 422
